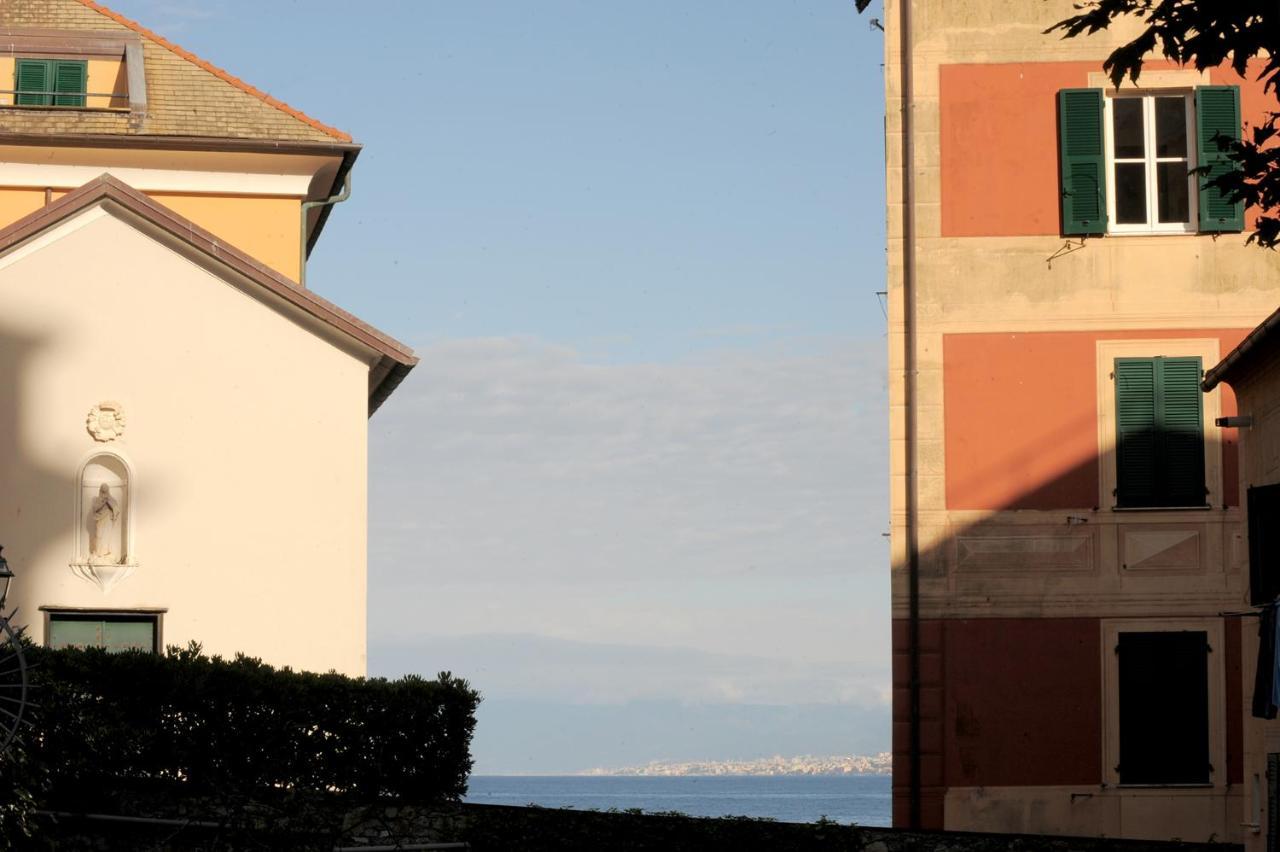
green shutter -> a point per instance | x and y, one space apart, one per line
71 77
1217 113
1135 431
1159 432
1084 179
1181 431
32 76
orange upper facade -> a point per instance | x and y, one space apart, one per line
85 91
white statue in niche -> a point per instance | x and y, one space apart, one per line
105 512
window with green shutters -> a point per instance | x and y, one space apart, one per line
50 82
1159 432
1129 161
123 632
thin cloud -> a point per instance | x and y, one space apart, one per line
728 507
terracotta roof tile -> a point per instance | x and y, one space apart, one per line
186 95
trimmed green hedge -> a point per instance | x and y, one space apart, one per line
219 725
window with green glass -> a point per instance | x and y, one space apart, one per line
50 82
1159 433
123 632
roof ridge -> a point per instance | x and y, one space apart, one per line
216 71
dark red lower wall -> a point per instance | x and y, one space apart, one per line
1004 702
1015 702
1024 699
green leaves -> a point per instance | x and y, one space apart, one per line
216 724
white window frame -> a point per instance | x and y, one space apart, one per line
1149 127
1213 629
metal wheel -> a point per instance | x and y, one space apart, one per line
13 684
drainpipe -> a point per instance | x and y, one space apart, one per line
909 403
307 207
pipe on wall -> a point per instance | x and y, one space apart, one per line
307 207
909 403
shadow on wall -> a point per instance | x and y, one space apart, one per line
31 486
1016 701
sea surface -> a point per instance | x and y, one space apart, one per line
861 799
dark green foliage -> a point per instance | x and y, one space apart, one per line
22 782
240 725
1207 34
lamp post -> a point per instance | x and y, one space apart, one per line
6 577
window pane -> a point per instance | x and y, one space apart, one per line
75 633
1131 193
1171 191
1127 128
1171 127
118 635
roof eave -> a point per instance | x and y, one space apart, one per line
1240 360
395 358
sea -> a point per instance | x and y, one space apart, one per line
861 799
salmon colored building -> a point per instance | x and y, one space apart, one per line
1072 640
183 424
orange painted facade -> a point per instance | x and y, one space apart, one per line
1022 413
1004 426
999 141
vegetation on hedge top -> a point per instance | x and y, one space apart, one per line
218 725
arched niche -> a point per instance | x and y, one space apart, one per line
104 512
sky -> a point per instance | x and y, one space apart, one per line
636 490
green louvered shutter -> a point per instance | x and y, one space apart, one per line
1217 113
69 76
1135 431
1181 431
31 76
1159 432
1084 179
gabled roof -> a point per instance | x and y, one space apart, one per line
186 95
395 360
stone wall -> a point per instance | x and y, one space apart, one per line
170 823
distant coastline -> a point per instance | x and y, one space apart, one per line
854 764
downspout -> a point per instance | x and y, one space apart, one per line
909 404
307 207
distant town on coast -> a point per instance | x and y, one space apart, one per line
855 764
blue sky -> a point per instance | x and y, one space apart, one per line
635 490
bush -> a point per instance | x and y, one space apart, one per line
219 725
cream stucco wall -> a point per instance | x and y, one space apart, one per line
246 435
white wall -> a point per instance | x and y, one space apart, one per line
246 434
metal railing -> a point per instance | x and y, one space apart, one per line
86 95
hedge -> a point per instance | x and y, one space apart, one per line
240 725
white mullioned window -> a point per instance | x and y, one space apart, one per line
1150 156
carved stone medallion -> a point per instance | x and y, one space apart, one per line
106 421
